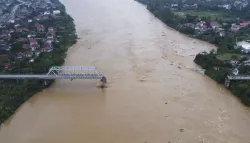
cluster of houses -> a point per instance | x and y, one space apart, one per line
203 26
227 5
36 38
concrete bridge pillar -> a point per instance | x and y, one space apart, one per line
227 82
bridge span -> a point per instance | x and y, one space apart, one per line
60 72
235 77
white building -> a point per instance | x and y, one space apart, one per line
46 13
245 46
56 12
235 71
12 21
174 5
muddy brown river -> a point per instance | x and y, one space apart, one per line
153 95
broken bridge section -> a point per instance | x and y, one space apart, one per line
61 72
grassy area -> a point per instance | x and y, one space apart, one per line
212 14
229 56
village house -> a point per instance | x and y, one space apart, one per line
56 12
17 25
26 46
5 47
22 40
235 28
244 24
19 55
34 47
37 52
38 18
195 5
235 72
225 6
21 29
47 12
234 62
247 62
215 25
244 46
11 21
190 25
174 5
32 41
201 26
50 39
6 65
28 54
3 55
31 36
47 48
51 30
222 33
39 27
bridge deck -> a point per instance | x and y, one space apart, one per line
238 77
60 76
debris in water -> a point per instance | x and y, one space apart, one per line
181 130
166 103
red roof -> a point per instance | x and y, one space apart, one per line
38 26
34 45
51 38
204 26
28 53
244 24
3 7
47 45
26 46
20 54
38 17
6 65
32 40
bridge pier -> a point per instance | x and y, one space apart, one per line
45 83
103 82
227 82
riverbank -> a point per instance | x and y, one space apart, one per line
14 93
220 62
148 99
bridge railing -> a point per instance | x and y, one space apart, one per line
238 77
64 72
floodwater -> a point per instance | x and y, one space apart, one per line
153 96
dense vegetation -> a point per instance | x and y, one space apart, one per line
15 92
217 63
218 70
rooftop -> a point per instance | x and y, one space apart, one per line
244 45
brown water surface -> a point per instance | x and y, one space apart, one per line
153 96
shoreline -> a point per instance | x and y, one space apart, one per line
57 56
243 100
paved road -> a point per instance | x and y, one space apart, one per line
13 12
